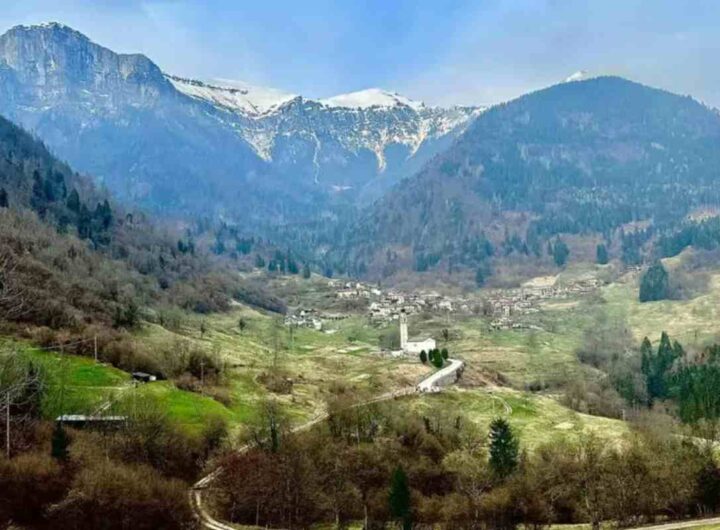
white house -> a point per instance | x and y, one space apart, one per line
416 346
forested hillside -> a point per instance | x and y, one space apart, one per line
70 258
587 157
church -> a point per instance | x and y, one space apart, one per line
414 346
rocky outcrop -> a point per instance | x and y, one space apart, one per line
118 118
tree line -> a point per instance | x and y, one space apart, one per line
385 468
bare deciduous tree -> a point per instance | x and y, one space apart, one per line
21 385
12 295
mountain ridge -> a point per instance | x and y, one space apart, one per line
585 157
270 159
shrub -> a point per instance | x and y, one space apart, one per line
112 495
29 483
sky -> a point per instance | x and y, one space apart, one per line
443 52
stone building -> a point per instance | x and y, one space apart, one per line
413 346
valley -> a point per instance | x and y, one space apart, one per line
230 306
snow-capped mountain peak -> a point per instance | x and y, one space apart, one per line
233 95
580 75
371 97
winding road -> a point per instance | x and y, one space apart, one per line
678 525
433 383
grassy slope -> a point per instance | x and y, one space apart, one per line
75 385
547 354
536 419
78 385
313 360
316 361
692 322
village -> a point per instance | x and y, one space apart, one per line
504 308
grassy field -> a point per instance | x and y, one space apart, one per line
315 361
320 362
75 385
536 419
78 385
693 322
542 352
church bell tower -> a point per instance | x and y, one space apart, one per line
403 330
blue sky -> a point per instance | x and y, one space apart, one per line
443 52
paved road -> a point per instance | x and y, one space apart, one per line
429 384
433 383
715 521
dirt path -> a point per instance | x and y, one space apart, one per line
429 384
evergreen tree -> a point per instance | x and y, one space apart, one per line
306 271
654 284
3 198
292 266
259 261
399 498
657 367
219 246
645 355
61 189
436 358
423 357
560 252
49 191
601 254
503 448
84 222
103 213
37 199
59 443
328 271
479 277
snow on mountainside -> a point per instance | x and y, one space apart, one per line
177 144
580 75
234 95
372 97
371 120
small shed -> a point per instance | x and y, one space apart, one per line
143 377
82 421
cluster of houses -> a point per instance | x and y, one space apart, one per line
311 318
384 306
504 306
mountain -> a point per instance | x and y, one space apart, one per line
117 117
224 148
581 157
358 144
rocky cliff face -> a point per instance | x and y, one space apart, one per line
117 117
54 64
224 148
358 144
